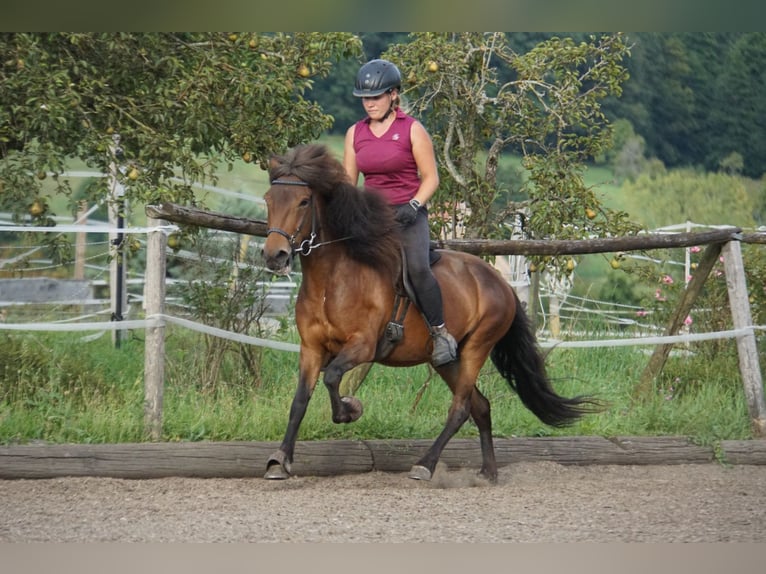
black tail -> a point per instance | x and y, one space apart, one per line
519 360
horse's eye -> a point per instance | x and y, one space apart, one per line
304 202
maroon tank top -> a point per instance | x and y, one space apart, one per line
387 162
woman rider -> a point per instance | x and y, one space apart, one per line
394 153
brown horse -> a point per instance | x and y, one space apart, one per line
348 246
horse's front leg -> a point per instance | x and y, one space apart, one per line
344 409
278 465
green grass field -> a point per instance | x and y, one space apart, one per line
60 388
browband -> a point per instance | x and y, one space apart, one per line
288 182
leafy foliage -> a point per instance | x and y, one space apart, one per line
702 198
228 291
152 107
479 98
687 195
695 97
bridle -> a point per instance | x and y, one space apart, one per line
307 245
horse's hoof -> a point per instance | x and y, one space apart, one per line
277 467
490 478
276 472
419 472
353 407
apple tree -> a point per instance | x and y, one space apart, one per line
163 107
479 99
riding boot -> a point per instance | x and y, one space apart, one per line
445 346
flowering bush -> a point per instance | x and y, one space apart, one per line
711 312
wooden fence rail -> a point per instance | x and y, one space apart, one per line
726 240
243 459
223 222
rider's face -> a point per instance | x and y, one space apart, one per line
377 106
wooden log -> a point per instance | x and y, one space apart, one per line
582 246
193 216
190 459
758 237
337 457
326 458
600 450
743 451
399 456
210 219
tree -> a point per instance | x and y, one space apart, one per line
181 104
707 59
741 107
695 98
672 102
687 195
548 110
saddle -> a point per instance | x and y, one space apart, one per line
403 297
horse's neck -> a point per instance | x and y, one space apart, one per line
323 264
334 268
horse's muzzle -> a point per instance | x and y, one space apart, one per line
278 262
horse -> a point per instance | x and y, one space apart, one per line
350 297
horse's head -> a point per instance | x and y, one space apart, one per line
291 224
302 179
311 196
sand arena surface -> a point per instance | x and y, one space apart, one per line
533 501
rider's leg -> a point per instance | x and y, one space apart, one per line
416 242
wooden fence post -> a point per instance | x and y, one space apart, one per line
661 352
154 345
81 242
117 266
746 345
534 300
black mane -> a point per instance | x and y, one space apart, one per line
364 216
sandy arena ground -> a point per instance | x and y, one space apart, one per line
532 502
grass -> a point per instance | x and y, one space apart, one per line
59 389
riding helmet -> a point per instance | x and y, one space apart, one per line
377 77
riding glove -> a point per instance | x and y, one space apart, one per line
407 213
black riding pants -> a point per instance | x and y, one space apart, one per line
416 241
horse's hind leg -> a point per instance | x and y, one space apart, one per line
458 414
480 412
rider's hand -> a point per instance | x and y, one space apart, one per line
407 213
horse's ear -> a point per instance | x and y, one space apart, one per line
273 163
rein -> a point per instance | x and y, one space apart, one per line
307 245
